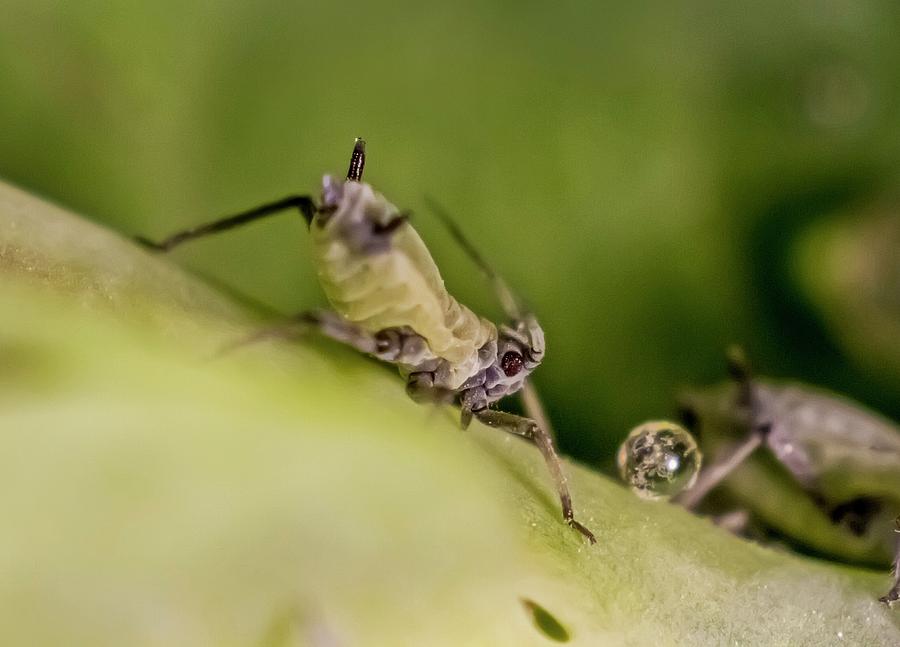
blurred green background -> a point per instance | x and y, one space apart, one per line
658 181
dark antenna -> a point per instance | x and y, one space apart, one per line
510 303
739 371
357 161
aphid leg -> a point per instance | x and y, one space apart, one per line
393 224
534 408
894 594
420 387
328 324
724 465
527 428
731 459
302 202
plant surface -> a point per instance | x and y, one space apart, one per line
154 492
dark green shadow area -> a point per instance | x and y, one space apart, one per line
545 622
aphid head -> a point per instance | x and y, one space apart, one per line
520 349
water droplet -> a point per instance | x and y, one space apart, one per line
659 460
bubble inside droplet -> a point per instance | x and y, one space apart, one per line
659 460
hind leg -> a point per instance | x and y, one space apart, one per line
393 345
328 324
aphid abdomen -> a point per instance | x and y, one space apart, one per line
382 279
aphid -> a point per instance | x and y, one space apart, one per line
827 474
390 302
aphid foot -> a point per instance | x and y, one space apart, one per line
580 528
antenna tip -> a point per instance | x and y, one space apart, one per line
359 144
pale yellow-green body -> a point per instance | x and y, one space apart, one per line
394 287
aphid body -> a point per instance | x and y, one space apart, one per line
827 473
382 277
390 302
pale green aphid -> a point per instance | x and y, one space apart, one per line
389 301
815 467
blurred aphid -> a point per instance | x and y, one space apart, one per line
659 460
836 464
390 302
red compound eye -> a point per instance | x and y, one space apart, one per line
512 363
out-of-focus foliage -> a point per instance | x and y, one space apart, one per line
851 269
293 495
639 171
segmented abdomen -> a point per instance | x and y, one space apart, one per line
392 282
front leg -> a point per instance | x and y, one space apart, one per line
728 461
527 428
